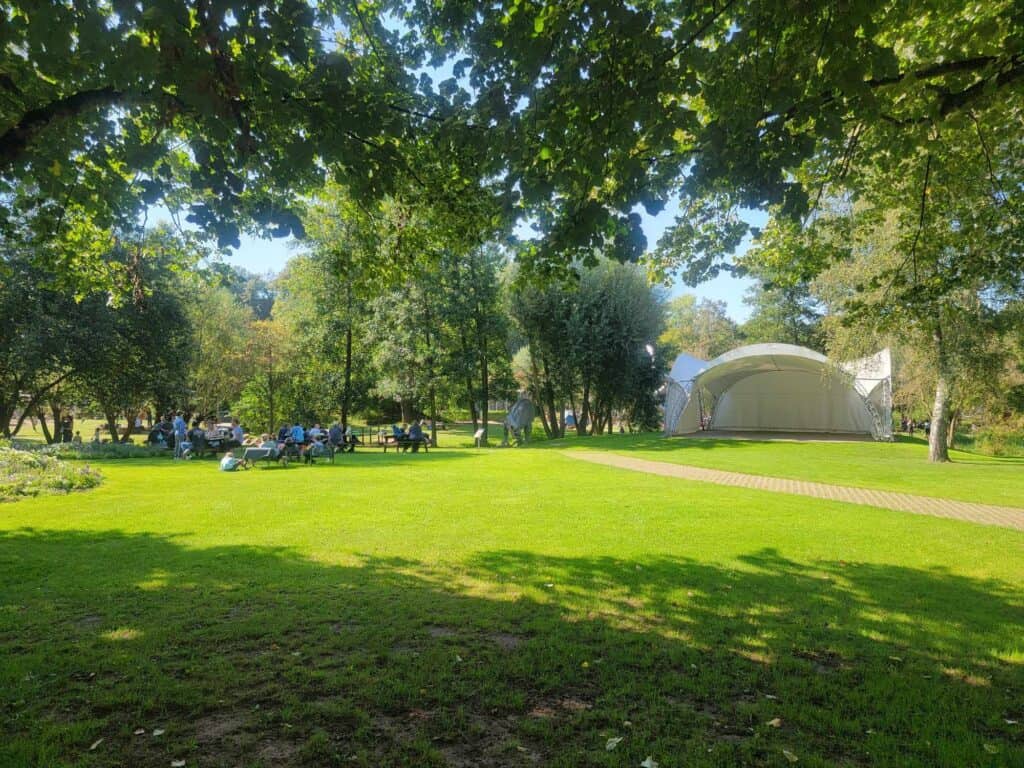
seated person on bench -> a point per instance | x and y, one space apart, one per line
415 437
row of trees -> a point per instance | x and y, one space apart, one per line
341 331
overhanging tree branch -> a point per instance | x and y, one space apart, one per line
16 139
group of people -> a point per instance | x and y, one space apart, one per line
339 436
408 436
303 443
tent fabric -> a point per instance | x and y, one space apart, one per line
779 387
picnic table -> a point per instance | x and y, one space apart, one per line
387 440
255 453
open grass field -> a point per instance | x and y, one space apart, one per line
508 608
898 466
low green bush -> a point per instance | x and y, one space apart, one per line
103 451
32 473
999 441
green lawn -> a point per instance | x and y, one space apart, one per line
502 607
900 466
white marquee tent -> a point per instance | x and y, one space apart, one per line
780 388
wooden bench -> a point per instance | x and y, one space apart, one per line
404 444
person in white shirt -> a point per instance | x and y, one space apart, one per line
229 463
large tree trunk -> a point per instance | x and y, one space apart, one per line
485 389
45 427
347 392
557 429
471 400
954 424
6 412
938 450
111 417
58 419
129 425
584 416
433 417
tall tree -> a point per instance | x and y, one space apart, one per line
700 328
786 313
229 108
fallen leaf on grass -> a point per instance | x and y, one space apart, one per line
649 763
790 756
177 764
613 743
775 722
1010 722
158 731
95 744
992 749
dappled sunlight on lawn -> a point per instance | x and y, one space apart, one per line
507 657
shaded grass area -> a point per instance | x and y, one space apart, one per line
900 466
498 608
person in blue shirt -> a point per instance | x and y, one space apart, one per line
397 432
298 434
180 429
415 436
335 435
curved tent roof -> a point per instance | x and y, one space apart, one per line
778 387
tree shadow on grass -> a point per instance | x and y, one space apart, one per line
259 656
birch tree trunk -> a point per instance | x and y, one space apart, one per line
938 450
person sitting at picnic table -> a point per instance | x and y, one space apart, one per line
298 434
348 437
315 432
237 434
398 433
283 433
335 435
415 436
96 435
229 463
77 439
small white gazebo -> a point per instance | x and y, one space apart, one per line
780 388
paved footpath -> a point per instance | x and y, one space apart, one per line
986 514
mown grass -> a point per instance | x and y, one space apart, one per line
899 466
497 608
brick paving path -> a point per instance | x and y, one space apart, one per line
986 514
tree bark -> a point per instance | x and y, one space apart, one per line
346 392
16 139
584 416
954 423
111 417
938 450
485 388
433 417
46 429
129 425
